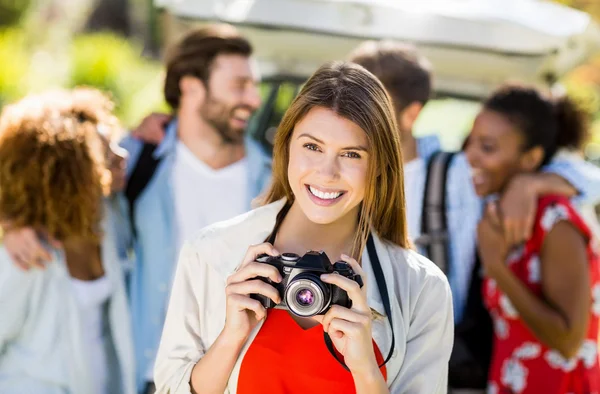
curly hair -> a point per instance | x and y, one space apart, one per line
52 172
93 105
551 123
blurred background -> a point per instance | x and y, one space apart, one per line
117 45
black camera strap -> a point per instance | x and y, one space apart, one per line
385 298
379 278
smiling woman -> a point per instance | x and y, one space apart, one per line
327 169
542 295
338 189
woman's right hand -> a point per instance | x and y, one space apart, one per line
244 313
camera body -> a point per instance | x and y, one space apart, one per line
301 290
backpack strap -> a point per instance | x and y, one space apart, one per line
142 173
473 338
434 225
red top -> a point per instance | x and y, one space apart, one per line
520 362
285 358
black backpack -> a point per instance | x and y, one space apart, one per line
473 340
473 336
434 224
142 173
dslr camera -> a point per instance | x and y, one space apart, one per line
301 290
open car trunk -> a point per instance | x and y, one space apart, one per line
473 44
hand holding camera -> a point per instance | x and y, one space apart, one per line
334 294
302 291
243 312
350 328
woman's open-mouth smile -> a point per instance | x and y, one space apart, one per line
324 197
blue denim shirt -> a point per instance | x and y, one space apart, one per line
154 248
464 209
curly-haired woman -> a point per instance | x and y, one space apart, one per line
90 105
543 295
65 329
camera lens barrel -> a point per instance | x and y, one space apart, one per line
306 295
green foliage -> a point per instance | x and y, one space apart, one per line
114 64
586 95
102 60
584 82
12 11
14 66
592 7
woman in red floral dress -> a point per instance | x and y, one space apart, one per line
543 295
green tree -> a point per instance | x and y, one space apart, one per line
12 11
584 82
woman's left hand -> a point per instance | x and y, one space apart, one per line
350 329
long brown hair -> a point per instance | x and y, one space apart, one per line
355 94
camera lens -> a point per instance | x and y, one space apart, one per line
306 295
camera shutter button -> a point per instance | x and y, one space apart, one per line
290 257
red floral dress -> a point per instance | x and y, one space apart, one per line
520 362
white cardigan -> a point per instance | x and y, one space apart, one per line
42 349
420 297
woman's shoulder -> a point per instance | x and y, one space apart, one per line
9 267
10 271
553 199
552 209
14 280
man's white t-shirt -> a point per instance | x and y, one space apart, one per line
415 173
203 196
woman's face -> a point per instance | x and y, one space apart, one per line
116 160
494 151
327 171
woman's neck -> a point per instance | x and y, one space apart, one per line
298 234
83 258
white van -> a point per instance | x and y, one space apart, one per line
474 45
